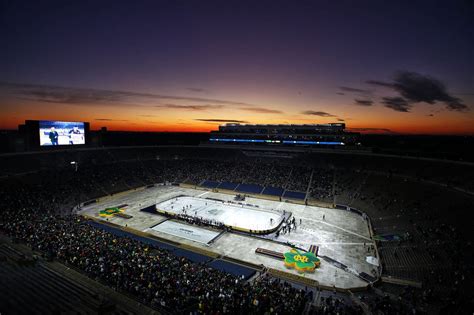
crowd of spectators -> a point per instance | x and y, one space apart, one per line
429 245
260 175
321 184
299 178
153 275
436 253
334 305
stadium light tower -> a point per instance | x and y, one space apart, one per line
76 164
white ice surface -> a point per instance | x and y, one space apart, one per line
246 217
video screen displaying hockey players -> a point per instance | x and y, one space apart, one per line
61 133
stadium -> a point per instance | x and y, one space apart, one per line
236 157
234 228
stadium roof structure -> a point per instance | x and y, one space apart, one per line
287 125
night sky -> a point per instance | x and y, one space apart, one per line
379 66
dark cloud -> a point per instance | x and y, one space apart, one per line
416 88
109 119
93 97
397 103
457 105
261 110
380 83
190 107
364 102
221 120
340 93
354 90
197 90
68 96
340 119
317 113
430 115
74 96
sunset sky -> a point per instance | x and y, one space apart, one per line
385 67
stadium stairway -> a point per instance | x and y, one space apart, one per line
308 189
31 285
37 290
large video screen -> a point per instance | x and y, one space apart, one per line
54 133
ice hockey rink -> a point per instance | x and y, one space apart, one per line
230 213
343 237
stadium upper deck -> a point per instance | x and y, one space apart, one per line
285 134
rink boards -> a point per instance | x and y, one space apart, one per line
238 216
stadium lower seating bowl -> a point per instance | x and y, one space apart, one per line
250 188
294 195
210 184
236 270
273 191
228 185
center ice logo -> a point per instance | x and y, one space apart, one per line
214 211
302 262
